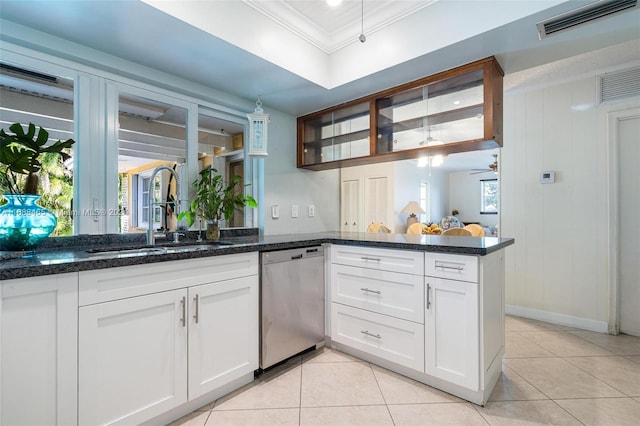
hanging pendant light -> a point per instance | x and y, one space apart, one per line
362 37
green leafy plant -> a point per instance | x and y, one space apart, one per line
214 200
22 154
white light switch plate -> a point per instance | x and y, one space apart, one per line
294 211
312 210
275 211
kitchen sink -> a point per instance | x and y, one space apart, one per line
151 250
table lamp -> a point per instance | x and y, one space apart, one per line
412 208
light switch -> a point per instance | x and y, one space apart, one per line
275 211
294 211
312 210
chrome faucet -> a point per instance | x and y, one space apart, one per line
151 234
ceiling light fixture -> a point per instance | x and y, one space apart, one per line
362 37
334 3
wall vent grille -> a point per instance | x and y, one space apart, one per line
619 85
597 10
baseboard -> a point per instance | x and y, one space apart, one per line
556 318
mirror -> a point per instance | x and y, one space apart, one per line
379 192
151 133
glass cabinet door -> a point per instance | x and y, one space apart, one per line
443 112
336 135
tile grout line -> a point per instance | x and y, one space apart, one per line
386 405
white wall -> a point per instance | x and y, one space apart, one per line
286 185
465 196
558 268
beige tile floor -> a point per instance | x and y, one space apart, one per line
552 375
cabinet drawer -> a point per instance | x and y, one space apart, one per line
405 261
386 337
451 266
384 292
103 285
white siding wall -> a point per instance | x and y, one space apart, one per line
558 268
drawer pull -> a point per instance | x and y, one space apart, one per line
371 291
183 305
196 316
373 259
451 266
366 333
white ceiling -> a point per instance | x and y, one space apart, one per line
223 43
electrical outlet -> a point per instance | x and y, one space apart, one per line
312 210
294 211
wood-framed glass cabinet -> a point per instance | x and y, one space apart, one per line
456 110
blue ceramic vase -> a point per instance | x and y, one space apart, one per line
23 223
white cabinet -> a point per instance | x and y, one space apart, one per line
38 350
451 327
435 317
156 340
223 330
376 309
133 358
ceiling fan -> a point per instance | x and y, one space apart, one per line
491 167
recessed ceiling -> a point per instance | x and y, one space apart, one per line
333 27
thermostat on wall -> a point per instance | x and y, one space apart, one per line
547 177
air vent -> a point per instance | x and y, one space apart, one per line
619 85
582 15
27 73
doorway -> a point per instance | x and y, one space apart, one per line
628 136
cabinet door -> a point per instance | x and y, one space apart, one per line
451 326
132 358
350 204
38 350
223 333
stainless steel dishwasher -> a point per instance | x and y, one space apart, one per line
291 303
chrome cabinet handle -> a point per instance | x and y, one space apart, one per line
366 333
183 304
196 315
455 267
371 291
374 259
428 295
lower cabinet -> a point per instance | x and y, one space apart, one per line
451 331
444 327
142 356
133 358
38 350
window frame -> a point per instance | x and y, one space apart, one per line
483 196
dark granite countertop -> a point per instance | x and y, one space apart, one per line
80 253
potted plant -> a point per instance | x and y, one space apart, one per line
214 201
23 223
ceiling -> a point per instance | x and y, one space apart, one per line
310 61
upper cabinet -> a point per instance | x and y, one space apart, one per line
452 111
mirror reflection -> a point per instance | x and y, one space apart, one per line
461 188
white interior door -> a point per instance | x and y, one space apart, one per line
629 199
350 203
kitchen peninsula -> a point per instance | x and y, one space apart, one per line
130 335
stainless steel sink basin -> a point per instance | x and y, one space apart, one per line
146 251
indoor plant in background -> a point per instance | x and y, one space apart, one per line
215 200
23 223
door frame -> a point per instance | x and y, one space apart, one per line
613 118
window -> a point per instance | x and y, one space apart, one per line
489 196
424 201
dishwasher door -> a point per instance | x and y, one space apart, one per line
291 303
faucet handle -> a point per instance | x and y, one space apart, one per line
176 236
